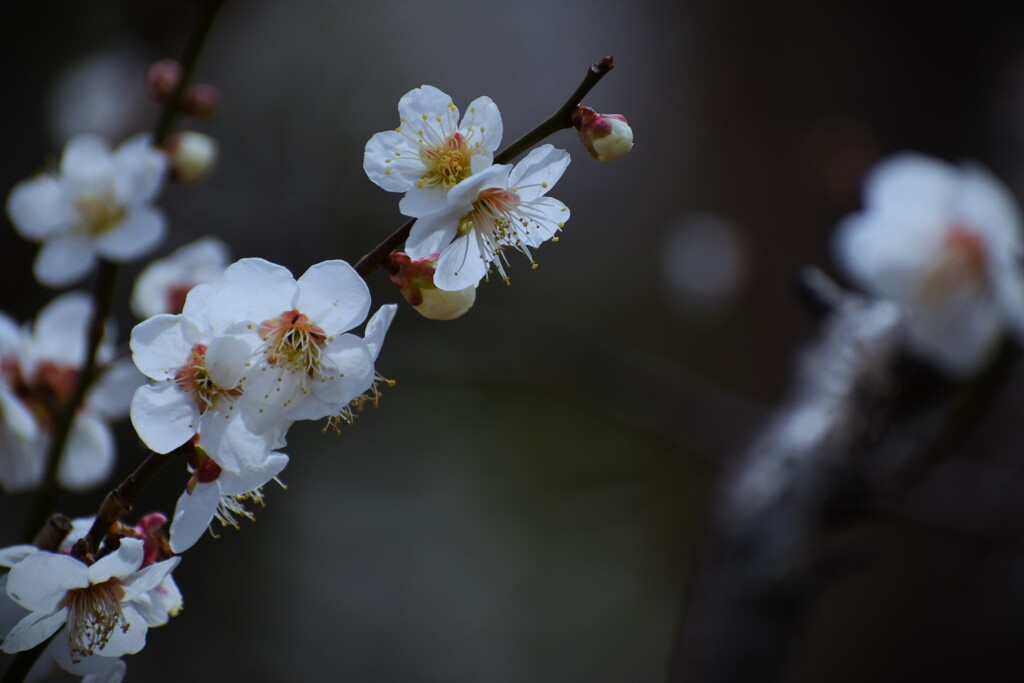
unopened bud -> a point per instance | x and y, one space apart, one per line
161 79
200 100
191 155
415 278
606 136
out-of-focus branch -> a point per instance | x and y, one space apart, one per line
751 584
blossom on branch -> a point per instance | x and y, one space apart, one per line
97 602
99 205
944 242
606 137
415 279
502 207
431 151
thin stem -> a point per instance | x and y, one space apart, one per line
561 119
103 300
188 64
119 501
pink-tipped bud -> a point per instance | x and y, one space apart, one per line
161 79
606 136
415 278
200 100
191 155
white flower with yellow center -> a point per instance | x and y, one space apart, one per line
945 243
432 151
305 366
497 209
95 601
99 205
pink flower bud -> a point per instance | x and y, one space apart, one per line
606 136
191 155
415 278
200 100
161 79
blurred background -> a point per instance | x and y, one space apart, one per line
527 502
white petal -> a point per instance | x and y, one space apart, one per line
462 196
10 612
547 215
163 344
912 185
89 457
461 264
138 170
394 173
130 641
252 290
14 554
254 477
141 230
227 357
63 260
16 417
432 234
270 396
95 668
37 208
377 327
86 160
193 515
40 581
148 578
112 394
354 362
164 417
231 444
539 171
482 114
424 201
34 629
333 296
431 102
121 563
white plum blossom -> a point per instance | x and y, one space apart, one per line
215 493
99 205
161 287
97 602
431 151
945 243
499 208
42 377
305 366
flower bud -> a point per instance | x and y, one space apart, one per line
161 79
191 155
416 280
200 100
606 136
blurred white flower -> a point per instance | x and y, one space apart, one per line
99 205
162 285
431 151
498 208
945 243
41 376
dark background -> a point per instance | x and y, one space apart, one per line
525 504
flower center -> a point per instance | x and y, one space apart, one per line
293 342
194 378
964 263
99 213
93 614
492 211
447 163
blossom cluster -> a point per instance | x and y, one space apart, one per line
468 210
